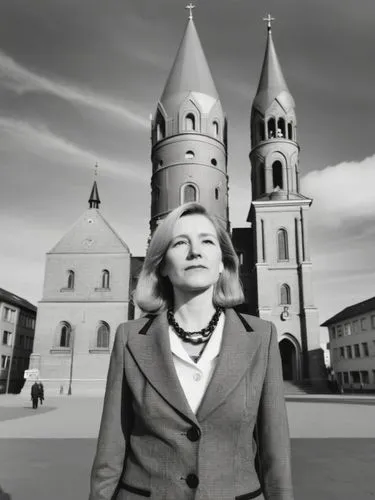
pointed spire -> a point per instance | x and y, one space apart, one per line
94 200
190 71
272 84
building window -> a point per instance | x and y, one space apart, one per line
277 174
282 244
7 338
213 162
160 129
349 353
356 379
285 294
5 362
262 178
105 278
65 335
281 127
189 155
346 378
9 314
365 377
102 336
271 128
363 324
333 332
339 331
215 126
217 191
365 348
190 122
347 329
357 352
342 352
373 322
261 134
189 193
355 326
70 283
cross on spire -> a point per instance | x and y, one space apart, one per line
96 169
190 7
269 20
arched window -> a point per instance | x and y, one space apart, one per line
102 335
217 191
189 193
281 127
160 129
65 334
215 125
271 128
285 294
189 155
105 278
190 122
277 174
282 245
262 179
290 131
70 283
261 133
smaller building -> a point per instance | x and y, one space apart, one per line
352 346
17 328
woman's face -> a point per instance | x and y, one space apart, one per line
193 261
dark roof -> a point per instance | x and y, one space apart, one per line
14 300
355 310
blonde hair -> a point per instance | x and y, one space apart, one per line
154 293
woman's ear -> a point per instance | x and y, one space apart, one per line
221 267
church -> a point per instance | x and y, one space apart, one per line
90 273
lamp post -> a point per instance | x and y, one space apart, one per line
72 338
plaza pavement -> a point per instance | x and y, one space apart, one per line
47 454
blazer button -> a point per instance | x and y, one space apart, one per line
192 481
193 434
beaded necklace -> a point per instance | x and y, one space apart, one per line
199 337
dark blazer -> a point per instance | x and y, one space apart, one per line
151 444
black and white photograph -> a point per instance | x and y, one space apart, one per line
187 299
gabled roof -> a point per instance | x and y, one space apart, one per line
190 71
272 84
349 312
15 300
91 233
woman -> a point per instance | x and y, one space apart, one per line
188 383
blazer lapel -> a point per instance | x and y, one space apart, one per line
152 352
238 348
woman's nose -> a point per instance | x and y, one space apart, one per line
195 249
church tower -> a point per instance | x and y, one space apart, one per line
189 136
279 282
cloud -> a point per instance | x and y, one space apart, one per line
21 80
341 192
38 139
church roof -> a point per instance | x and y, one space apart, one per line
91 233
272 84
190 71
349 312
15 300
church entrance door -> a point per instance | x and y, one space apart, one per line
289 359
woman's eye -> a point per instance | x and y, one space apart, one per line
178 243
209 241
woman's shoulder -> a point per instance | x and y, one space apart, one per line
256 324
134 325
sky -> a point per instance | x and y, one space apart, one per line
79 80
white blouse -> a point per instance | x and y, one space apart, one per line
195 377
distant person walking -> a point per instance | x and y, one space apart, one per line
41 392
35 394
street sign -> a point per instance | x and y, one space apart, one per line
32 374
